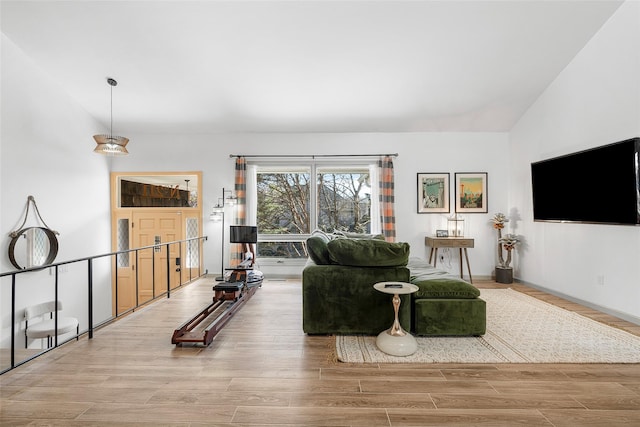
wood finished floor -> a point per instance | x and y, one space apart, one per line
261 370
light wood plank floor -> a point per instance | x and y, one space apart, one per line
261 370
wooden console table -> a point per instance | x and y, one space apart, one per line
462 243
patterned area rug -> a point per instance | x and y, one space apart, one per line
520 329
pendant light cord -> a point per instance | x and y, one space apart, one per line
112 83
111 112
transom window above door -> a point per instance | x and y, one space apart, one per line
157 190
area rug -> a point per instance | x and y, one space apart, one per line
520 329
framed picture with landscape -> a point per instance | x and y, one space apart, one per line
471 192
433 192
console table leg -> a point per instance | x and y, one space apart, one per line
466 255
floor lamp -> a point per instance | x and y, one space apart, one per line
217 215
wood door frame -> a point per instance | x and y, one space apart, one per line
118 212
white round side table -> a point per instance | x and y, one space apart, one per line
395 340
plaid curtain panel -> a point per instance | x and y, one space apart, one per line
387 199
240 188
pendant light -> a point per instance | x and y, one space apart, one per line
111 145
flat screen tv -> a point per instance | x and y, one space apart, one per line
600 186
243 234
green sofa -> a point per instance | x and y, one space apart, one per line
338 295
337 285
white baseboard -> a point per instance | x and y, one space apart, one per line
606 310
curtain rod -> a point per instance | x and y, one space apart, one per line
311 156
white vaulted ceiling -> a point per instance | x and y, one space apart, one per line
304 66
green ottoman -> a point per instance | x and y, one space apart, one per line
448 306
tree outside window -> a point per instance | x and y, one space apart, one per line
288 210
344 202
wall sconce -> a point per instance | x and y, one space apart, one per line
455 226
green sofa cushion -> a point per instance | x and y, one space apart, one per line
368 253
449 317
436 283
318 251
445 288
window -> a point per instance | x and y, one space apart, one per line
123 242
154 190
344 200
193 246
292 201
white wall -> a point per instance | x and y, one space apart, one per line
593 102
417 153
46 151
47 148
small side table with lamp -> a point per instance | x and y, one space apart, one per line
454 239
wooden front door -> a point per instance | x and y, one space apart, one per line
147 209
157 228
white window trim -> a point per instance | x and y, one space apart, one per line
312 167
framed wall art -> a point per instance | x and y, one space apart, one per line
471 192
433 192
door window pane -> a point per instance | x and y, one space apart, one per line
123 242
193 246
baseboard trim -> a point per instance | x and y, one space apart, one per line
606 310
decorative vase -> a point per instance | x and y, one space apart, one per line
504 274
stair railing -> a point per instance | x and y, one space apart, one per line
91 324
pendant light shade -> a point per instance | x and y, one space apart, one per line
111 145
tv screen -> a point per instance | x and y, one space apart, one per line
599 185
243 234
